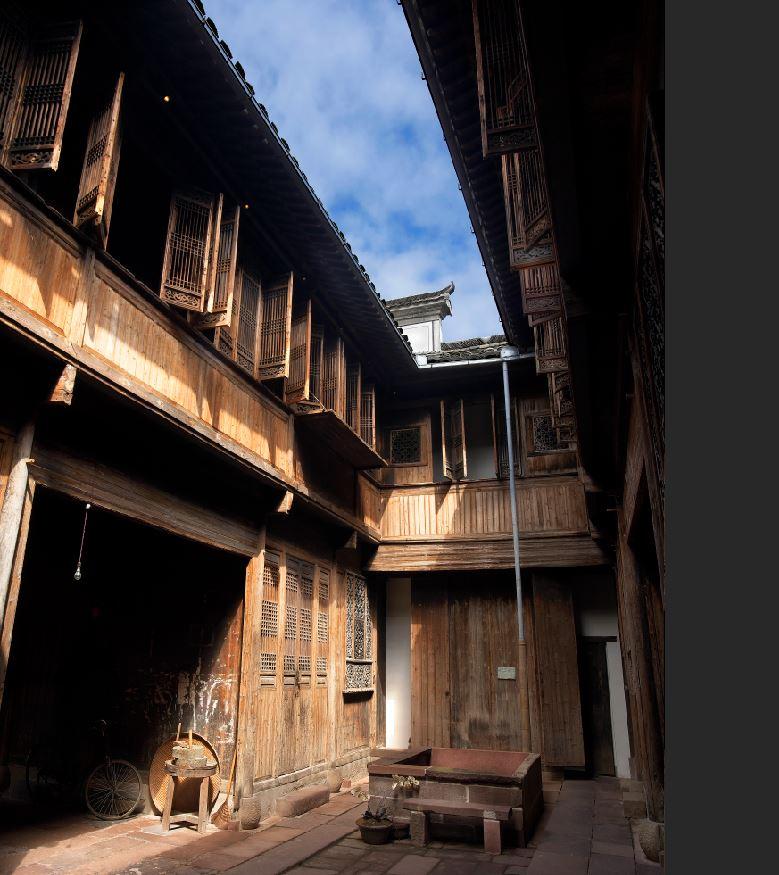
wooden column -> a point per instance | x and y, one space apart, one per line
12 510
247 734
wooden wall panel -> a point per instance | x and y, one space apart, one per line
402 474
558 672
483 635
430 694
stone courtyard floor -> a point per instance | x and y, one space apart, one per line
583 833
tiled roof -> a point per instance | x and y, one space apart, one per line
471 349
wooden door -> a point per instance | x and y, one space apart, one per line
430 705
558 672
596 708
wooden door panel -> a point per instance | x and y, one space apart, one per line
430 714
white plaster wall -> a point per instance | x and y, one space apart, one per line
398 662
420 336
619 711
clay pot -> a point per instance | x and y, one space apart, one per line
375 832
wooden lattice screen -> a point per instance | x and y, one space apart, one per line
353 396
323 627
101 165
541 292
368 414
315 373
247 329
188 249
224 335
14 41
299 380
551 348
455 460
44 92
527 214
505 97
269 618
275 329
500 443
561 400
221 294
333 374
359 636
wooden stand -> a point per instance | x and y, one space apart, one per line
201 819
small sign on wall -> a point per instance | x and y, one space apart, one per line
507 673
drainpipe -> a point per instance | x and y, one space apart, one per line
507 354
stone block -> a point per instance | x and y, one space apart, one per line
451 792
490 795
492 842
629 785
419 828
333 778
634 805
301 801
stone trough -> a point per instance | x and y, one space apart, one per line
492 795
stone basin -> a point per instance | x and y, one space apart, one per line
466 776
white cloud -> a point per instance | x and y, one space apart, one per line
341 79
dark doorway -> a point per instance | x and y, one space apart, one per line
596 709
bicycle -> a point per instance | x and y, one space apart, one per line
113 789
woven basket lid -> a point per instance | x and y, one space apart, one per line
186 794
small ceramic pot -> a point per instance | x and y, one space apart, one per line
375 832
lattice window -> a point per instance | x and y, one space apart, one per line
551 348
275 329
248 322
187 250
13 47
305 625
321 665
322 628
267 669
270 576
315 380
307 581
291 626
324 586
299 381
353 396
304 664
269 623
368 415
289 664
406 446
359 662
543 435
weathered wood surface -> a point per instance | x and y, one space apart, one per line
465 510
430 693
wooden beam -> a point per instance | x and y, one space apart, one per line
62 393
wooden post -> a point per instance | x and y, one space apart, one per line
12 510
247 696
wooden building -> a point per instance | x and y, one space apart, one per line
553 115
290 534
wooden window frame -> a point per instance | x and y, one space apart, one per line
451 412
420 461
352 620
274 364
298 386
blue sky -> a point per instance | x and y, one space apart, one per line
342 81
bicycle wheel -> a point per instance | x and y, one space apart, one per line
113 790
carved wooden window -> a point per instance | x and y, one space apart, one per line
455 460
502 76
406 445
527 215
353 395
14 39
299 380
322 627
188 249
359 636
317 350
269 618
368 415
551 348
541 292
561 400
275 329
247 328
500 443
333 376
36 117
543 436
101 165
220 303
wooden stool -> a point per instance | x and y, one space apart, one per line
202 814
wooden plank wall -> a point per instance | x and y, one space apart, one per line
465 510
400 474
430 684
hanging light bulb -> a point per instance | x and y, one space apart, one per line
77 573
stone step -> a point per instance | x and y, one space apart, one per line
301 801
634 805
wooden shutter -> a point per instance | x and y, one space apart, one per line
299 381
247 329
224 335
269 619
291 620
368 415
14 41
558 673
561 400
332 375
541 292
551 349
101 165
505 100
275 329
316 363
455 461
323 627
353 396
188 249
39 119
527 215
219 303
